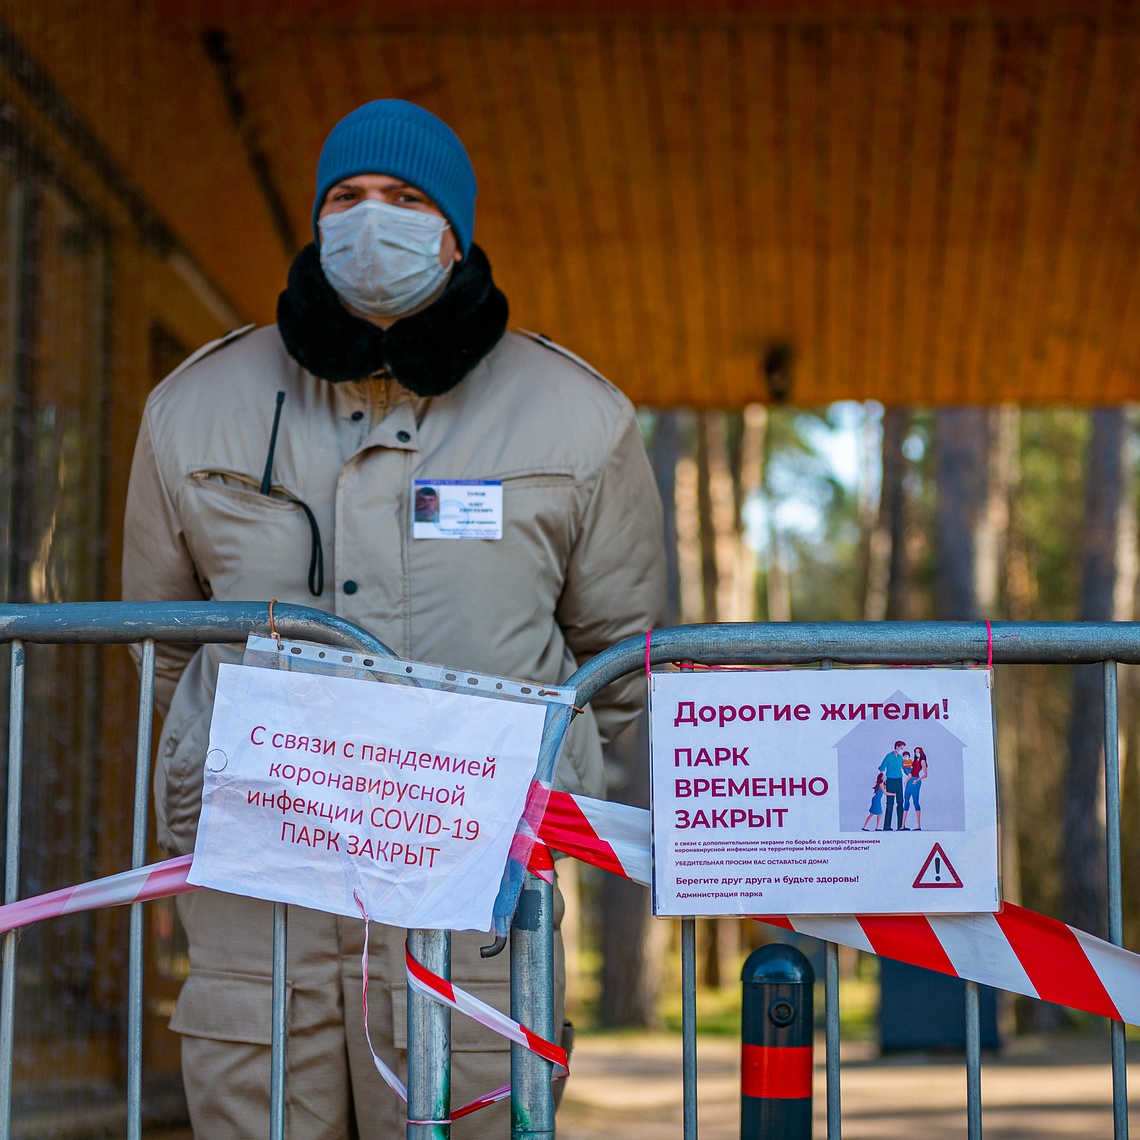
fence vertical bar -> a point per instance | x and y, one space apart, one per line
138 858
831 1022
11 879
973 1043
689 1026
532 1005
973 1062
429 1043
831 1046
1115 898
277 1056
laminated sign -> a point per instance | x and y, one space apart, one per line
837 791
325 790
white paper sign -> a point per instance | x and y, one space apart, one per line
316 787
457 508
773 792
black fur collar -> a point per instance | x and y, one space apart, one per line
428 352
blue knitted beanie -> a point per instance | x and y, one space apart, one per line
394 137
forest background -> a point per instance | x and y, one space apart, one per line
853 512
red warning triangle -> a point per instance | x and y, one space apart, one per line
937 871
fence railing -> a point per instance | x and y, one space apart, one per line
146 623
532 977
825 644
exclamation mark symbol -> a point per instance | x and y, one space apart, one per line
945 709
937 869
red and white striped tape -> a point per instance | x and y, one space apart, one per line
1016 950
612 836
157 881
433 986
430 984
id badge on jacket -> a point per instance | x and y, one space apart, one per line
457 508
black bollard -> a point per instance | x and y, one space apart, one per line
776 1045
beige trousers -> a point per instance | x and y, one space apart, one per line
333 1090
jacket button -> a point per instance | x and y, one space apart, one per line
403 436
358 415
349 587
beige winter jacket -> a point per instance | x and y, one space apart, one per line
579 566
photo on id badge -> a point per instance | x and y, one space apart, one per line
457 508
905 779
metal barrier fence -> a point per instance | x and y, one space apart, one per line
893 643
146 623
532 975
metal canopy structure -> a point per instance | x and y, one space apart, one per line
928 202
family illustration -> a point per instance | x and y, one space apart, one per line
889 783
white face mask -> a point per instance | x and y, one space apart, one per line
382 259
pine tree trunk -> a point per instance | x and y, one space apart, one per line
779 583
961 437
629 958
629 967
1001 536
751 469
887 571
992 531
666 451
1083 889
710 579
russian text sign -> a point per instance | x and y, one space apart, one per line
839 791
317 787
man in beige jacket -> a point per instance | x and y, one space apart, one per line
391 370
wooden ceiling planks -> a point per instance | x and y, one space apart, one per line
845 267
1117 188
559 170
1124 331
929 202
890 124
609 226
641 202
1087 222
637 198
925 209
684 236
1000 208
922 187
1063 97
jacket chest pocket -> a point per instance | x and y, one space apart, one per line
250 545
540 507
537 478
541 513
538 502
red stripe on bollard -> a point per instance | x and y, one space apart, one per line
772 1072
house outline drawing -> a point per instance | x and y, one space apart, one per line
861 749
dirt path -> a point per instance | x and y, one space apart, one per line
630 1087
